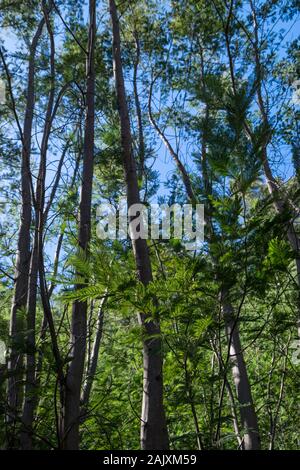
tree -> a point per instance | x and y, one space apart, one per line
154 434
71 412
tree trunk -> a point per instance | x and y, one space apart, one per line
92 366
154 434
239 370
19 301
141 144
30 390
71 412
30 385
249 422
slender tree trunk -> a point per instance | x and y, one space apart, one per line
15 362
46 293
249 422
279 401
30 385
239 370
234 414
190 396
230 395
71 412
92 366
52 284
141 145
154 434
30 390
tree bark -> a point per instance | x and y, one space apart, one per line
71 412
249 422
92 366
19 301
141 144
154 434
30 385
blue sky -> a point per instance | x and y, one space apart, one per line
163 162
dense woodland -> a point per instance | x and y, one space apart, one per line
142 344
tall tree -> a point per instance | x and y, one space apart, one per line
71 412
154 434
19 301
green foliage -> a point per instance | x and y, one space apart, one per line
233 124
